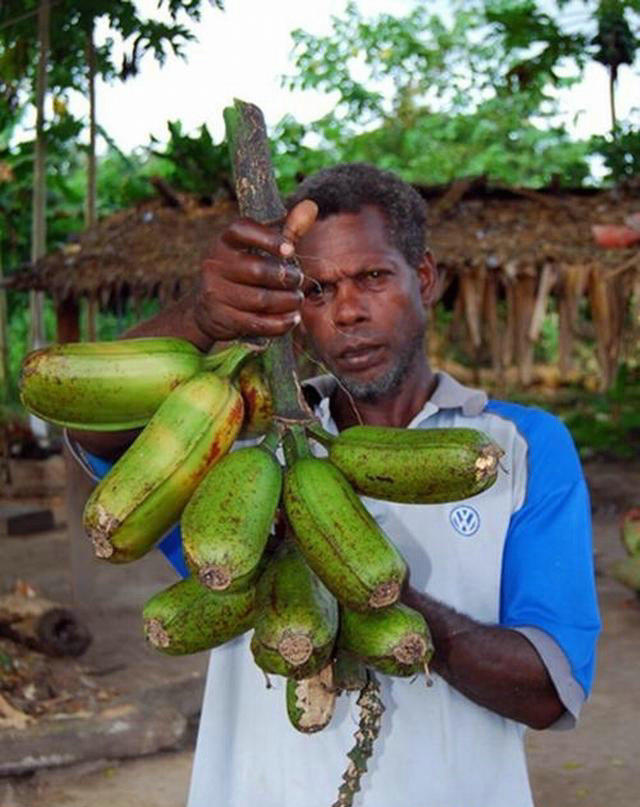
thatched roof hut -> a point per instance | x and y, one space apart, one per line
506 255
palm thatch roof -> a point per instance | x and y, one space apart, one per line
151 250
156 247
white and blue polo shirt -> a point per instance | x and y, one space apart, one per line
517 555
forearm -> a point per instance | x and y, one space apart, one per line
178 320
495 667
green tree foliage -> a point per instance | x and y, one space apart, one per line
615 42
193 164
620 151
437 98
71 22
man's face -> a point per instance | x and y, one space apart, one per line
364 307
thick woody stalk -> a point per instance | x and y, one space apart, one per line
259 199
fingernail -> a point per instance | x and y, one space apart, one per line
296 318
287 249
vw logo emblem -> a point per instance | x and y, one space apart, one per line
465 520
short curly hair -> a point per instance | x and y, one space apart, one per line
348 187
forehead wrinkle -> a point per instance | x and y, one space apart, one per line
335 267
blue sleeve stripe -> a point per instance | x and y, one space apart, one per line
171 544
548 579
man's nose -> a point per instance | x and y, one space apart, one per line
349 305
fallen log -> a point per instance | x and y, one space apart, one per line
42 625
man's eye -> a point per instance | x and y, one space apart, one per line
375 276
314 291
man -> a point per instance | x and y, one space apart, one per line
504 580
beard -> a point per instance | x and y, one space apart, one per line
391 380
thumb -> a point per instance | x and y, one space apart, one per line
299 221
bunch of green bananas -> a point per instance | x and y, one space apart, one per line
323 598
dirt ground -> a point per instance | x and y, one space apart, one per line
596 765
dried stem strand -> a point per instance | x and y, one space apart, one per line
371 711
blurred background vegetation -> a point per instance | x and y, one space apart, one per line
431 96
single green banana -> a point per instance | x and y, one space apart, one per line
311 701
339 538
187 617
258 401
105 386
226 524
394 640
144 493
297 618
417 466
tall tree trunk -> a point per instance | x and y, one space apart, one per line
4 344
91 200
39 227
612 98
38 222
5 472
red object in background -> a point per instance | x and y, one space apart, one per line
613 236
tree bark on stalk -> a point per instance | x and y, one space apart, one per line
259 199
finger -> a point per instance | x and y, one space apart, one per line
253 270
299 221
248 234
265 301
270 326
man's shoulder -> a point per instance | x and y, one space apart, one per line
531 421
551 452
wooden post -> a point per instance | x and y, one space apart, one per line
490 316
509 272
81 557
92 319
68 314
601 315
573 279
565 334
524 303
78 486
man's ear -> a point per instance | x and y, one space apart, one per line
428 279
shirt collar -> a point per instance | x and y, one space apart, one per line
448 394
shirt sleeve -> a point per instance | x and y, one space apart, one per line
96 467
548 584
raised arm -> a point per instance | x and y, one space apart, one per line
246 288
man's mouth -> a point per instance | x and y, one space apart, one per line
360 357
